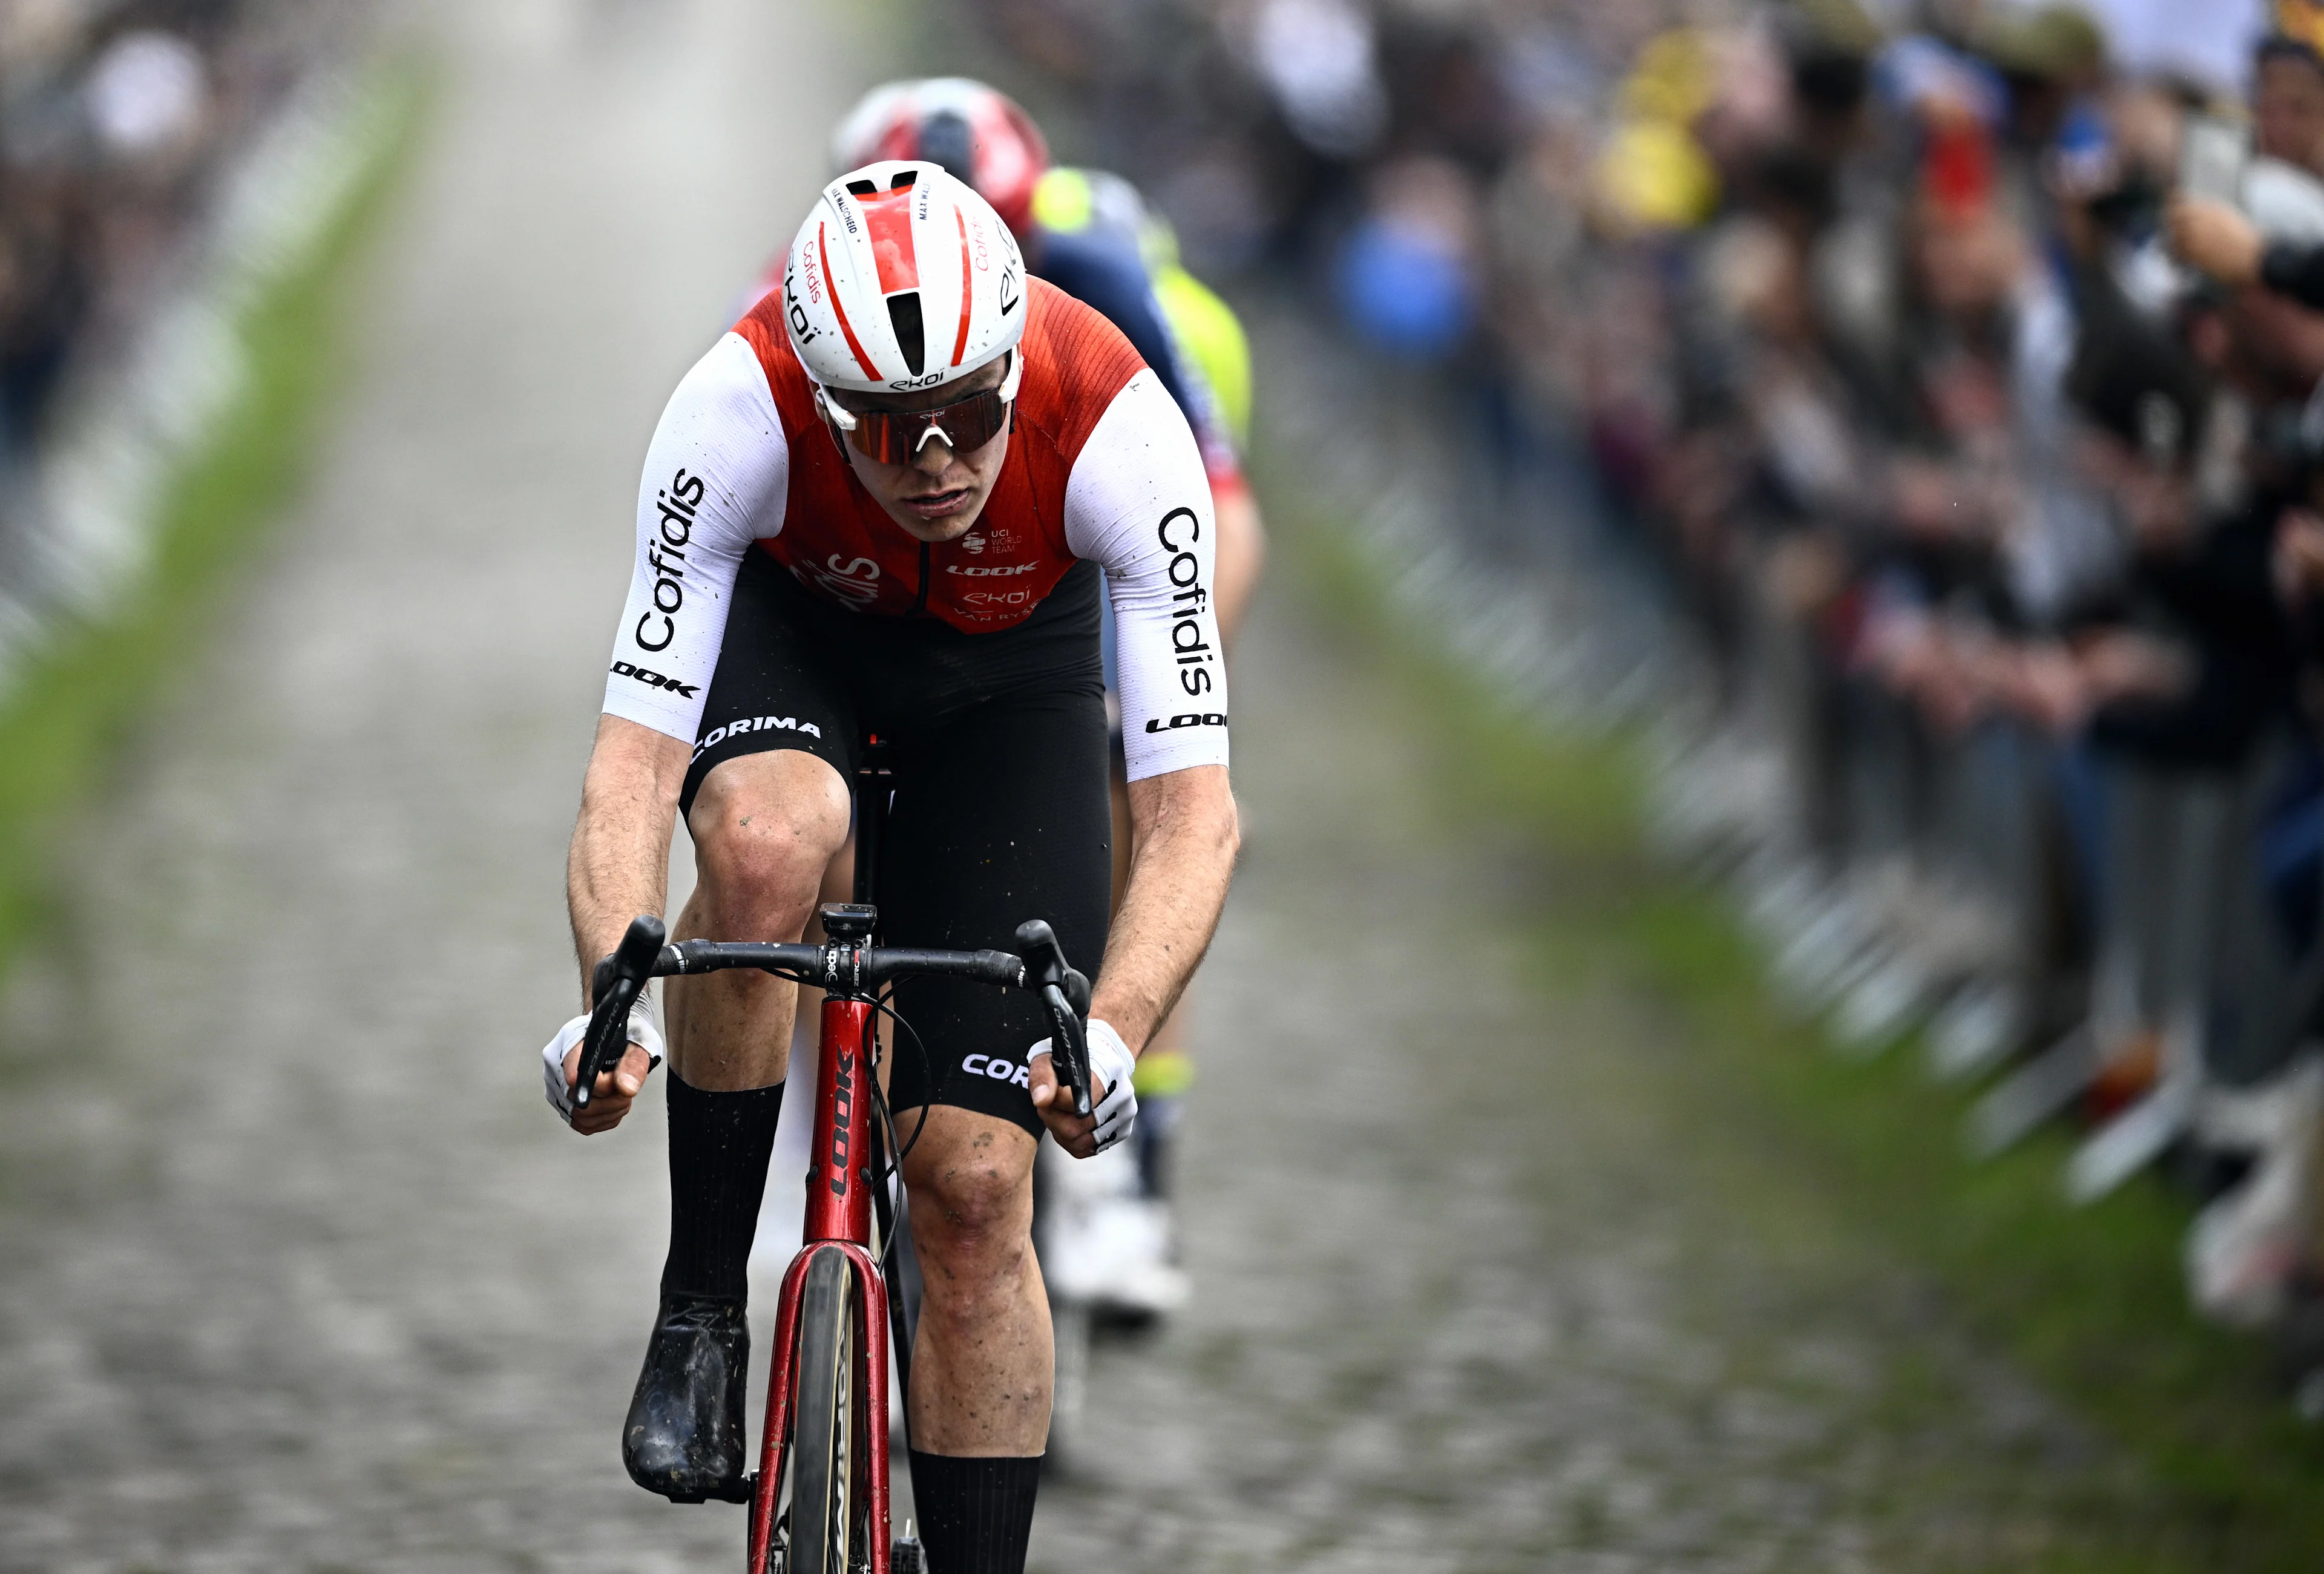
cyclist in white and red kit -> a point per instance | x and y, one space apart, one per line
881 503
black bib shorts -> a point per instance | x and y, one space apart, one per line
998 745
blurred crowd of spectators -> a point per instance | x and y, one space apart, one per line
2001 523
115 117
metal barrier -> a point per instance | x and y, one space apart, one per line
2097 920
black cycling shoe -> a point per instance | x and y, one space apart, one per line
684 1437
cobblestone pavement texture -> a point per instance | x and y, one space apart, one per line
301 1277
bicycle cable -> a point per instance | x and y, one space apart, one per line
880 1100
897 1148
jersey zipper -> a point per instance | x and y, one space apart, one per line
921 601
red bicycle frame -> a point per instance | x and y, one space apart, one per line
848 1163
839 1184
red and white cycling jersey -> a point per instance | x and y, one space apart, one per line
1219 456
1101 465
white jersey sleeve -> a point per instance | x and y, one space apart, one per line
716 477
1138 504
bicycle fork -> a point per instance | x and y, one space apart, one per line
839 1186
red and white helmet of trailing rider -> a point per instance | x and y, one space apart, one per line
979 134
902 277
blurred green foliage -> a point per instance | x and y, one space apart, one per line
71 710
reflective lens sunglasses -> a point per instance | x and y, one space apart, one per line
897 437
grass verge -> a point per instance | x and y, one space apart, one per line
2091 1303
72 707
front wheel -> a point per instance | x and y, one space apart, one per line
830 1507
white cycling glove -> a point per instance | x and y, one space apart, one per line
1113 1067
642 1033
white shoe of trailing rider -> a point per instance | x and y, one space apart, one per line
1135 1243
1105 1244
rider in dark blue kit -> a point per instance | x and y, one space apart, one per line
1104 272
1094 246
981 137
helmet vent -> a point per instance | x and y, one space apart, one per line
862 188
904 316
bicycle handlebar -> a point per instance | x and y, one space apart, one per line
1046 970
615 983
839 967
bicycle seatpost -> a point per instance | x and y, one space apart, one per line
616 983
1066 994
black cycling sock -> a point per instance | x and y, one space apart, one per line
976 1514
719 1145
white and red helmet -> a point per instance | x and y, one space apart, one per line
901 277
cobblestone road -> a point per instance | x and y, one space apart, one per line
298 1274
1483 1283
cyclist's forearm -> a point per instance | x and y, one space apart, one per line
619 863
1183 831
